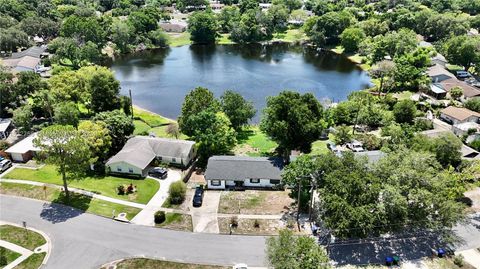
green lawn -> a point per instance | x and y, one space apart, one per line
253 142
107 185
224 39
177 221
32 262
291 35
151 119
19 236
8 256
141 127
161 131
142 263
405 95
319 147
84 203
178 40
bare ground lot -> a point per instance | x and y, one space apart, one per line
247 226
179 222
255 202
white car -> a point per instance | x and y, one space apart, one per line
355 146
5 164
240 266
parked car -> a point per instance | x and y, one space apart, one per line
240 266
198 197
158 172
355 146
4 165
463 74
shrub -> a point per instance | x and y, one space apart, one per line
4 145
177 192
234 221
458 260
159 217
423 124
121 190
370 141
256 224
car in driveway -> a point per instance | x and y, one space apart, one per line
463 74
158 172
355 146
198 197
4 165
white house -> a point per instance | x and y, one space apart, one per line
457 115
138 153
239 171
24 150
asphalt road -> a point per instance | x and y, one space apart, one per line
87 241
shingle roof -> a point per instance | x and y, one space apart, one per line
24 146
35 52
141 150
459 113
373 156
468 91
240 168
438 73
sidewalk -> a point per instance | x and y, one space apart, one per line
472 256
145 217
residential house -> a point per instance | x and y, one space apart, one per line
139 152
24 150
456 115
238 171
437 91
438 73
26 60
372 156
173 27
466 151
468 91
5 128
469 129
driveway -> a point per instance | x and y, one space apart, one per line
82 240
145 217
204 218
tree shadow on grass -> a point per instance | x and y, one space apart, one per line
60 211
244 135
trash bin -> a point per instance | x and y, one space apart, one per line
441 252
388 260
396 260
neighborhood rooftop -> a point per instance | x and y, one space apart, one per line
141 150
240 167
4 124
24 145
459 113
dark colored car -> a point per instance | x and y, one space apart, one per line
198 197
158 172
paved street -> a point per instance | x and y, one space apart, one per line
88 241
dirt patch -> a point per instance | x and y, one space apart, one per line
251 226
257 202
142 263
474 195
179 222
245 150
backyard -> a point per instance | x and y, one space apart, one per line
107 185
254 202
147 122
253 142
82 202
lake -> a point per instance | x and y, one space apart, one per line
160 79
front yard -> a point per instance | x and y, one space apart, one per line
250 226
176 221
107 185
254 202
142 263
25 238
82 202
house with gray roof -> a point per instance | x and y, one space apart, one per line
139 152
239 171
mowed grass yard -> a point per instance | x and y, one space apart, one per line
147 122
142 263
24 238
177 221
84 203
107 185
253 142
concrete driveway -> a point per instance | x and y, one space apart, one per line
204 218
145 217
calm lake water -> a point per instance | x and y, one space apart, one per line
160 79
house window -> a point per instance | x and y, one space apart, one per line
275 181
254 180
174 160
215 182
119 169
130 170
159 158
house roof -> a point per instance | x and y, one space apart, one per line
34 51
4 124
438 73
459 113
373 156
25 62
141 150
468 91
436 89
24 146
240 168
465 126
468 152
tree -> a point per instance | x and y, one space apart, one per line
195 102
237 109
227 17
343 134
441 26
64 147
83 29
405 111
22 118
67 113
293 120
213 134
120 127
462 50
158 38
254 26
122 34
382 70
172 130
177 192
473 104
203 27
291 252
351 38
13 38
43 104
456 92
38 26
98 138
278 15
331 25
104 89
289 4
144 20
318 7
447 150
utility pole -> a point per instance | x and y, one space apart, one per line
298 201
131 101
